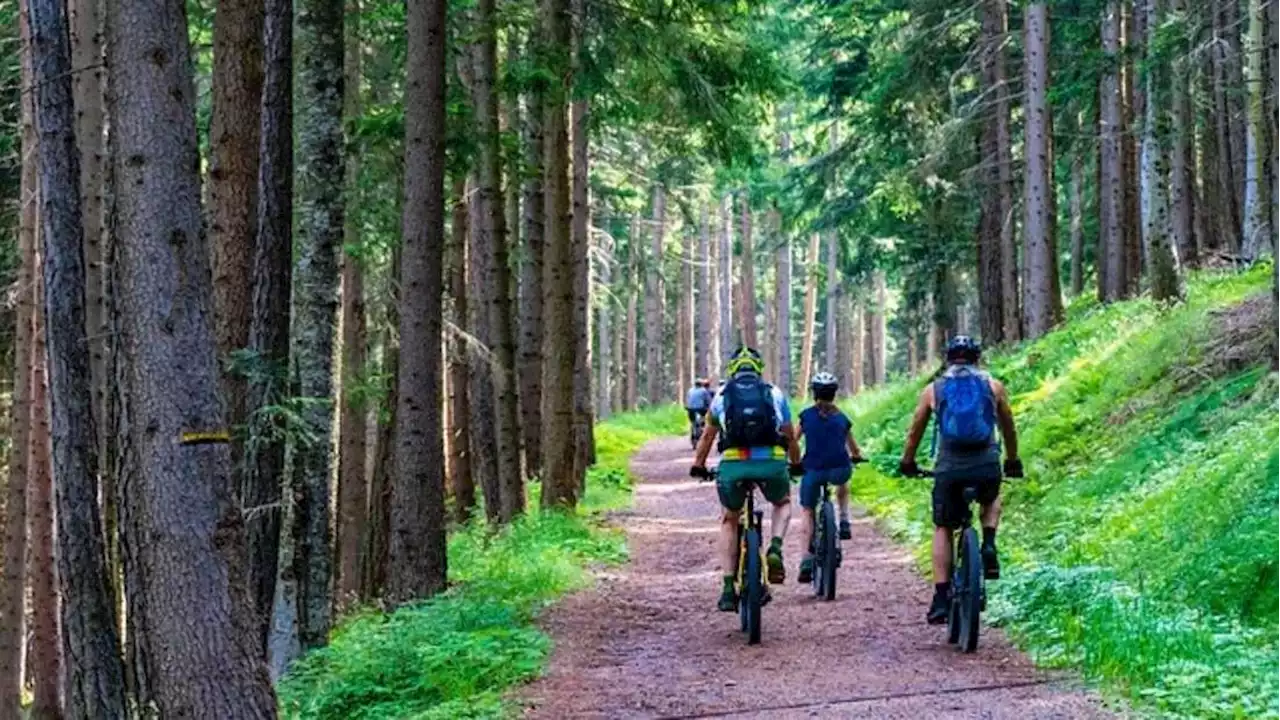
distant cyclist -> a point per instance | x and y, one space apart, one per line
697 401
970 405
757 441
829 453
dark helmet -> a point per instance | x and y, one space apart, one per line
744 359
963 348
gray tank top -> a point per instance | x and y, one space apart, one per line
948 459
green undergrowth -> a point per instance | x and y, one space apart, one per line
1142 546
456 655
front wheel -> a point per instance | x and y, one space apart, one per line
753 592
969 597
829 554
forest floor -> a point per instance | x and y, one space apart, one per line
646 641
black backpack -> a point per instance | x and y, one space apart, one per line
749 416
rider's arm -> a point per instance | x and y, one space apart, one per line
1004 414
919 422
704 445
793 443
854 450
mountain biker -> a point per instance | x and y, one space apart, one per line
697 401
829 453
970 404
758 446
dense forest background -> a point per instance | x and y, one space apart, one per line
294 289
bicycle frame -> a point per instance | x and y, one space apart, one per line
749 520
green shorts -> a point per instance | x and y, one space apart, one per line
769 475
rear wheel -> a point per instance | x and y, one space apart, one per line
970 601
830 550
753 596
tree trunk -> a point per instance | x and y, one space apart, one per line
417 522
315 314
1042 303
1225 70
234 141
653 309
703 315
1258 232
1268 148
45 649
559 484
995 27
782 305
1161 266
991 217
377 551
711 322
616 385
1132 37
810 311
13 585
726 279
684 319
1076 193
353 495
260 492
490 234
484 438
531 271
631 371
460 480
95 683
580 233
179 515
876 354
1111 205
747 281
604 328
1182 156
857 346
831 321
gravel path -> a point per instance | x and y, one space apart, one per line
647 642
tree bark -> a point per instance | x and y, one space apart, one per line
1182 156
417 522
857 346
559 484
1042 303
460 480
13 585
876 354
377 551
490 234
726 279
1225 35
272 269
1111 206
810 311
995 27
95 683
631 377
531 271
1259 234
747 281
604 329
580 232
1076 193
831 321
484 438
353 483
990 249
1161 263
711 350
702 317
45 649
179 515
684 319
653 302
234 142
782 304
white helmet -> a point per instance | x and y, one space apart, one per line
823 380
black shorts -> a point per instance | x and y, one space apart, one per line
695 414
949 508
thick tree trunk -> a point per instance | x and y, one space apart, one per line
1268 148
747 281
417 521
1225 35
810 311
94 685
377 551
460 481
1076 193
653 302
484 438
531 271
44 655
630 371
703 315
725 259
272 267
1134 104
1259 235
490 234
1111 205
1182 157
179 515
991 216
315 317
995 28
559 484
1161 265
1042 303
353 433
234 139
580 232
13 581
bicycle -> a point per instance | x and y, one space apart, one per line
695 432
751 582
828 556
968 583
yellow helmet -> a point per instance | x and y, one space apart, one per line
744 359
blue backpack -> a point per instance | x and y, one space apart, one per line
966 411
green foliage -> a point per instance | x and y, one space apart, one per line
1141 546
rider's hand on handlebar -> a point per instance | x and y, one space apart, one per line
700 472
1013 468
857 459
795 469
908 468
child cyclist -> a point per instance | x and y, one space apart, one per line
829 454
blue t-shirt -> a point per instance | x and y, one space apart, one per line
825 439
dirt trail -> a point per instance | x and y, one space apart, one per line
647 642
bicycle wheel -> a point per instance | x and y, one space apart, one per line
971 599
742 577
754 595
830 550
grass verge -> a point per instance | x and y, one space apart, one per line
455 656
1141 548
